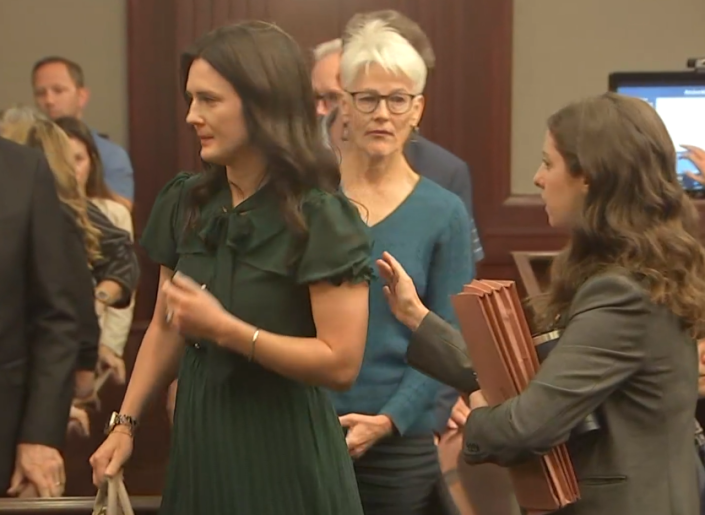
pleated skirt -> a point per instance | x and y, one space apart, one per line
255 444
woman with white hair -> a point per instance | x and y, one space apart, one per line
389 414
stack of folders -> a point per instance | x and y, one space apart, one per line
501 348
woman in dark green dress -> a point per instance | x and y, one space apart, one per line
263 295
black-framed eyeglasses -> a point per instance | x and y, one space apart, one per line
367 101
330 99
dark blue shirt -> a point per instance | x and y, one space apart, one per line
117 168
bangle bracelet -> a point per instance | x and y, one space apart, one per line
252 345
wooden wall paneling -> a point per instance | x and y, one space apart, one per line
185 15
220 10
152 122
310 22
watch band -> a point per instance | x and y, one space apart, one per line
118 419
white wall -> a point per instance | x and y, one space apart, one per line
565 49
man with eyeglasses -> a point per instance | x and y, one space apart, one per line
324 76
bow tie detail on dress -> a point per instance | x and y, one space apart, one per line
236 226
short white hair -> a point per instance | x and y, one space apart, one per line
327 48
375 42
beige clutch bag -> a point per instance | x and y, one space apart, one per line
112 498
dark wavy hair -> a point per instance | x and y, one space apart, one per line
269 72
96 186
636 218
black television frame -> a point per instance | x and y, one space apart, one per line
695 77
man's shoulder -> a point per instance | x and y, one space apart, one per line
427 153
109 149
18 154
434 196
18 160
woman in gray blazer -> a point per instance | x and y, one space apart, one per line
628 292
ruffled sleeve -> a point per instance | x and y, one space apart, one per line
338 247
165 223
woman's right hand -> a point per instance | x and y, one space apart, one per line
111 456
401 293
697 156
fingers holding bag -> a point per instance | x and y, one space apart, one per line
110 458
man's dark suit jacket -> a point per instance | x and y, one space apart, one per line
620 353
452 173
38 322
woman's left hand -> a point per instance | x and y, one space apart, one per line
477 400
364 431
191 309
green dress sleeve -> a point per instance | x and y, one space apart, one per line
338 247
161 234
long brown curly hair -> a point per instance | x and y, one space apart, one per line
636 218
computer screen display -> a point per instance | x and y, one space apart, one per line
679 99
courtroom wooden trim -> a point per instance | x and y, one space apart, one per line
529 265
152 89
71 505
507 222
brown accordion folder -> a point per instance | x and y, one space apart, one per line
500 345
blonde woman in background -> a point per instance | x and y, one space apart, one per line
113 261
115 323
112 270
27 127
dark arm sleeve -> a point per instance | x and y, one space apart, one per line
118 261
82 294
162 232
54 342
437 349
338 248
461 185
599 349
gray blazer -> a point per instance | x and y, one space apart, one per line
620 353
632 359
438 350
